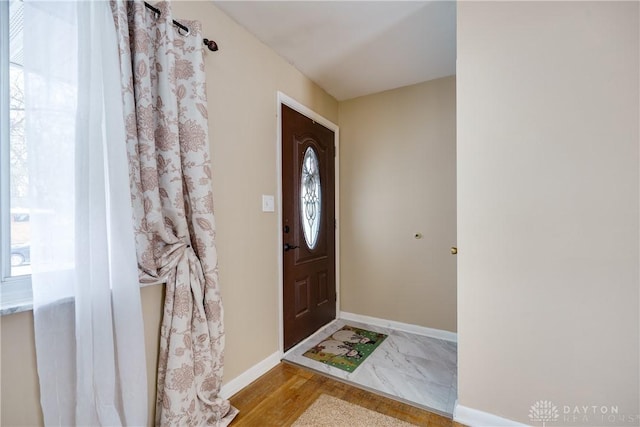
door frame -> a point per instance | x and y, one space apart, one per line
283 99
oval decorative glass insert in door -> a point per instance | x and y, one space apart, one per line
310 197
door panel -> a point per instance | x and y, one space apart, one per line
303 297
308 193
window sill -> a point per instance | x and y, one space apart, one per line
15 295
17 307
20 299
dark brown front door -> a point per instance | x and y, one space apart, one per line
308 226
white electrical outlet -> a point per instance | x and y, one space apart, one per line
268 203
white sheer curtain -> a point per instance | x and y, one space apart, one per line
87 310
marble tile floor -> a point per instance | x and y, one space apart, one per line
412 368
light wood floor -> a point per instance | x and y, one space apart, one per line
280 396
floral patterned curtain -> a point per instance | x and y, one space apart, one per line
163 86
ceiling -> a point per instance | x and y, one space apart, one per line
355 48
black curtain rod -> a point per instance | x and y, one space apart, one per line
213 46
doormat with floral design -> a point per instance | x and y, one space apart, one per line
347 348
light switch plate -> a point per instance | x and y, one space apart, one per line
268 203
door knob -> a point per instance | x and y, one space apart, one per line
288 247
454 250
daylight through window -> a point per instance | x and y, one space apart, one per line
14 158
18 154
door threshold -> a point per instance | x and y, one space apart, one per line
309 338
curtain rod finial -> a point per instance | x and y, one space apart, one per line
213 46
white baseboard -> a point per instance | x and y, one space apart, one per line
250 375
474 418
399 326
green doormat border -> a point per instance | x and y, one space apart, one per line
347 348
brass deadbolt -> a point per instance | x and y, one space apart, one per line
454 250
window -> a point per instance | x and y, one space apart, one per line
310 197
14 177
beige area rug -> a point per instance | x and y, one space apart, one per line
328 411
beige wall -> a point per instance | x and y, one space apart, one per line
242 80
398 178
19 380
548 192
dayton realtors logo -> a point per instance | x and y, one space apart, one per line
543 411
